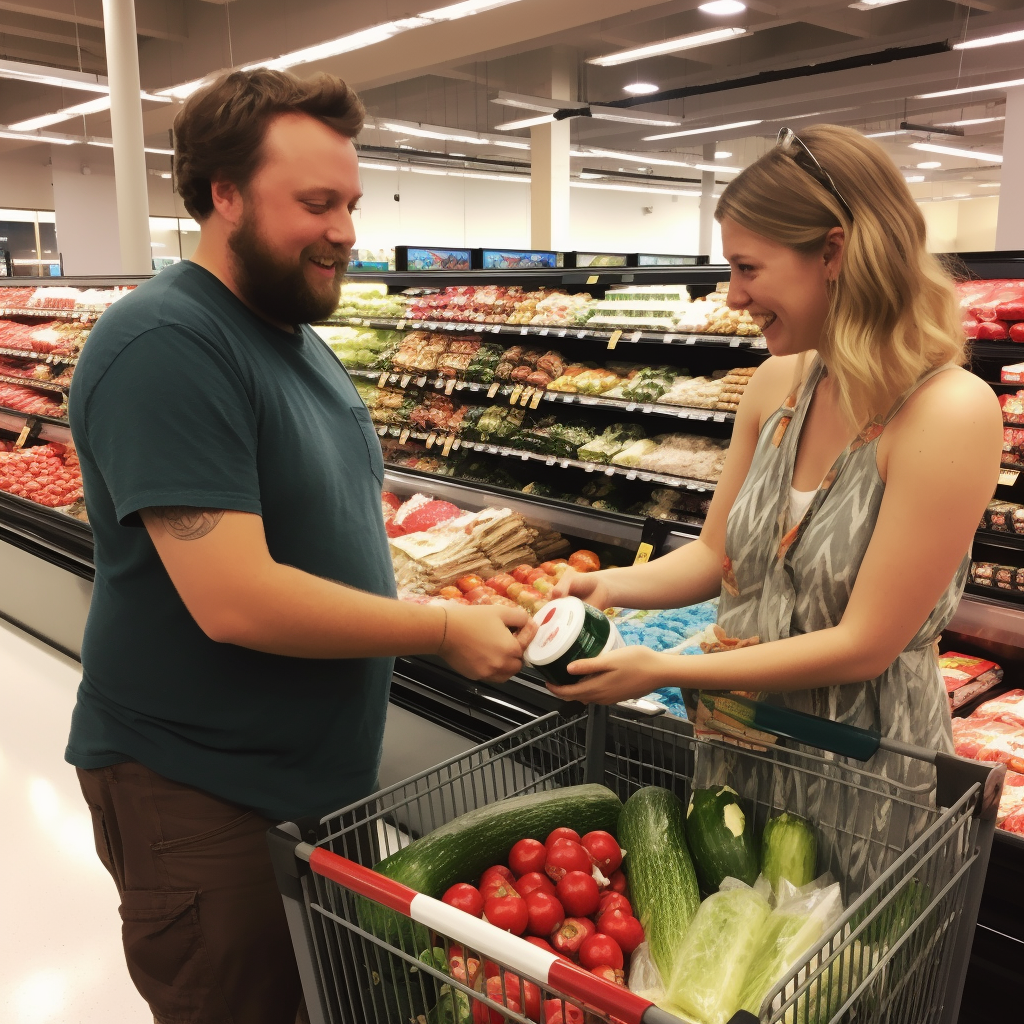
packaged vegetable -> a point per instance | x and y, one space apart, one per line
789 850
716 953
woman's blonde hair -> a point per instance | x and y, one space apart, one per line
894 313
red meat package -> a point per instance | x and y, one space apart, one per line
1007 707
1013 446
1010 815
966 677
1013 408
993 300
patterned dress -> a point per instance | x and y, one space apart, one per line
777 584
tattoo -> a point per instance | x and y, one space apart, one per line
186 523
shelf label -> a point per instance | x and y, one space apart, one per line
383 379
549 462
400 325
564 463
404 436
446 450
456 445
719 417
610 471
404 382
670 339
524 330
381 431
593 278
438 383
431 327
643 553
431 439
581 334
1007 477
635 336
449 387
523 455
550 396
537 396
631 474
691 339
543 332
493 389
25 431
734 343
527 395
631 407
562 334
496 329
420 381
648 409
588 469
614 339
516 392
460 384
587 401
492 450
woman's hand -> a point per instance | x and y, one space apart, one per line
617 675
591 587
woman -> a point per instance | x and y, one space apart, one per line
861 461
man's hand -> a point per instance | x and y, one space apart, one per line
478 643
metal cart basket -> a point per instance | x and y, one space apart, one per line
911 862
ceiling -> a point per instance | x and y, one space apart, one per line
451 75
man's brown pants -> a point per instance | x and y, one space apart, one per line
204 929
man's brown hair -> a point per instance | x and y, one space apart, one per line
219 132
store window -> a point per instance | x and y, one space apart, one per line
173 239
28 244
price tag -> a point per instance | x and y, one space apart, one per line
404 382
581 334
439 383
614 339
549 462
400 325
420 381
1007 477
610 471
381 431
593 278
635 336
734 343
456 445
631 407
527 395
646 477
431 327
492 450
648 409
446 450
631 474
431 439
537 396
550 396
356 320
523 455
691 339
524 330
404 436
683 414
719 417
383 379
23 436
568 398
460 384
588 469
449 387
588 401
496 329
643 553
670 339
516 392
543 332
562 334
493 389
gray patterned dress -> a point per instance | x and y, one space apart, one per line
777 584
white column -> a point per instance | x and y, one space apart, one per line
707 202
549 162
1010 224
126 131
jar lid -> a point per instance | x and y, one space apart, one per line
560 624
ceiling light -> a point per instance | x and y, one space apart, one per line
109 144
989 184
870 5
974 154
463 154
369 165
635 188
912 179
95 106
884 135
613 114
509 144
1013 83
526 122
30 137
1003 37
722 154
39 74
687 42
970 121
721 7
641 88
649 158
427 133
589 174
960 195
929 165
702 131
165 174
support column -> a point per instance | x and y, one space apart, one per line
1010 222
126 131
707 202
549 163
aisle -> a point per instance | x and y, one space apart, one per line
60 939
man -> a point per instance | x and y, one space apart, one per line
239 647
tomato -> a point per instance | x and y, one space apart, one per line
534 881
540 943
530 599
545 585
553 566
508 913
557 1012
578 893
618 882
468 583
526 856
478 595
597 950
625 929
520 572
565 855
545 912
584 561
498 886
497 869
500 583
535 574
465 897
484 1014
514 589
561 833
612 974
603 850
611 900
461 969
448 593
568 939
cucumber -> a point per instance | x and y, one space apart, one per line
721 838
789 849
462 848
662 882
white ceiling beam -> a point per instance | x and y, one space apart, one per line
156 19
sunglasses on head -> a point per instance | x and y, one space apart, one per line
790 144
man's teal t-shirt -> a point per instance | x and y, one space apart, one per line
183 396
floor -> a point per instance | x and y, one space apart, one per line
60 933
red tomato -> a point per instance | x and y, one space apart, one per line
497 869
625 929
523 995
540 943
468 583
546 913
612 974
497 885
545 585
479 595
568 939
604 850
508 913
611 900
500 583
520 572
465 897
551 567
526 856
618 882
578 893
530 599
598 950
514 589
535 574
557 1012
561 833
449 592
483 1014
584 561
535 881
565 855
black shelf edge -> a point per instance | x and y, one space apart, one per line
1011 598
39 357
999 539
51 535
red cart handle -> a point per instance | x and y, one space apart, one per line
492 942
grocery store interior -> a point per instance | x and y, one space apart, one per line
535 316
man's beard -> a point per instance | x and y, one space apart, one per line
277 288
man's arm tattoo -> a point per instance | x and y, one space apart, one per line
184 522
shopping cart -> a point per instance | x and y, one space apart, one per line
911 865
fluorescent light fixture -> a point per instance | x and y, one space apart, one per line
527 102
165 174
723 7
635 188
613 114
722 154
703 131
108 144
650 158
369 165
687 42
870 5
1003 37
39 74
929 165
95 106
587 175
428 133
1011 84
641 88
6 133
885 135
989 184
526 122
912 179
184 90
973 154
510 144
970 121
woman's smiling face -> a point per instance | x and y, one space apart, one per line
785 291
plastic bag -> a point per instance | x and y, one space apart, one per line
717 951
798 922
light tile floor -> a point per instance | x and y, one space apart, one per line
60 933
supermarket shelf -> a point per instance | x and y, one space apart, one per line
403 380
42 357
50 429
31 382
626 336
986 617
998 539
60 539
41 312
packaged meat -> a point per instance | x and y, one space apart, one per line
1013 407
1013 446
992 330
966 677
1010 310
1017 332
1014 373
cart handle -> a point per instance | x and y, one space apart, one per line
838 737
508 949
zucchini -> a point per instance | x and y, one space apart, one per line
662 882
721 838
462 848
789 849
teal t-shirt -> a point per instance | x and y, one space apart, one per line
183 396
